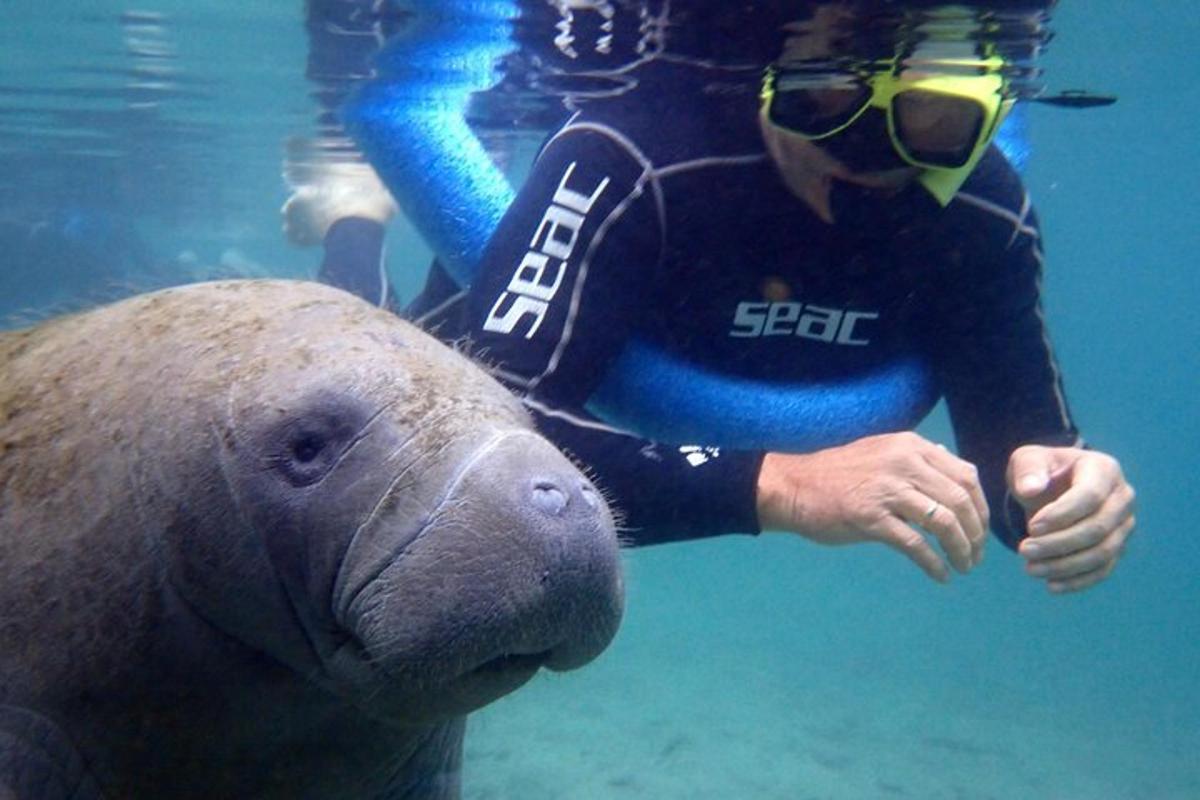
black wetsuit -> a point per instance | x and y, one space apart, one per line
695 244
664 218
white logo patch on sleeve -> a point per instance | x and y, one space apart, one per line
698 455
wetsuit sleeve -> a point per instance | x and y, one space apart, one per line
659 492
1001 380
554 304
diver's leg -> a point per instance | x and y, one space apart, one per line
354 260
337 200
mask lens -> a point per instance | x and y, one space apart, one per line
935 129
816 111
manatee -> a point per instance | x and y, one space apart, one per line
259 539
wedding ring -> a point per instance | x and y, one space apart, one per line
932 510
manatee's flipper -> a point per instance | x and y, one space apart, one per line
38 762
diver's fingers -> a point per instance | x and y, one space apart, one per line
963 473
942 523
954 513
1089 560
1081 582
1114 518
1096 481
897 535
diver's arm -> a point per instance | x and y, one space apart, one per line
555 302
661 493
998 372
1068 510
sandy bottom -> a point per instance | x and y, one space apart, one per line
759 669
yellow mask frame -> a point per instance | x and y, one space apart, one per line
987 88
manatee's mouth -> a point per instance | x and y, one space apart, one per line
513 662
444 691
492 679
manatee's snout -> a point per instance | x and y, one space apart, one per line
557 496
574 589
517 567
558 578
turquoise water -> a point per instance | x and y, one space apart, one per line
746 668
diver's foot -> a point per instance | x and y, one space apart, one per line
332 192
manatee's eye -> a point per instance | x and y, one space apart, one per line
309 451
311 438
307 447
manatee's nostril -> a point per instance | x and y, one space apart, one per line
590 497
549 498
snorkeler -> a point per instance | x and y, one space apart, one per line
832 249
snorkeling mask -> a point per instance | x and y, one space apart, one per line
940 121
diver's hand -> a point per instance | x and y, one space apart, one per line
875 489
1080 512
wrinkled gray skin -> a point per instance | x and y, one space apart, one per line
259 539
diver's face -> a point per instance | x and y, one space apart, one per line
809 170
835 108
